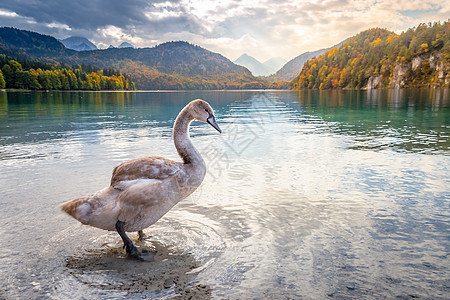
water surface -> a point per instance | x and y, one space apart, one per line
313 195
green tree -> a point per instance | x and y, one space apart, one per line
23 80
8 76
65 85
44 80
2 80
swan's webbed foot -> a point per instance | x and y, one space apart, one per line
127 243
140 235
133 252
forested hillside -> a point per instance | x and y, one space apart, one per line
176 65
172 65
30 45
377 58
32 75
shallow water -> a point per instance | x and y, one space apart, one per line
335 194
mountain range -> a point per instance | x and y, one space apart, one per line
79 43
172 65
123 45
258 68
375 58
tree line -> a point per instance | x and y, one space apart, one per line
34 75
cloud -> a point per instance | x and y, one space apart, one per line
81 13
261 28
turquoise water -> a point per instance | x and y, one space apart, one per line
315 194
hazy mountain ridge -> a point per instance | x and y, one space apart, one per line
258 68
275 63
293 67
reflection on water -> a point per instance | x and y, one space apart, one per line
415 120
308 194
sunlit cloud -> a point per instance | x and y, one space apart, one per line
59 25
112 35
7 13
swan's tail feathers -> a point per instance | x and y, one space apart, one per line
79 208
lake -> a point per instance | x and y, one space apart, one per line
308 194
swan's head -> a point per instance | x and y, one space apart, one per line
202 111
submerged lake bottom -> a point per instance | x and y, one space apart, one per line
308 195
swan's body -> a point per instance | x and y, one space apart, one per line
142 190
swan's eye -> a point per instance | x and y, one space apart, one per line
206 110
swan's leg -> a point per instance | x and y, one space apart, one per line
140 235
128 244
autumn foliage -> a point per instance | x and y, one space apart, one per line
150 78
42 76
419 57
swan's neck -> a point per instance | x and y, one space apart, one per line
185 148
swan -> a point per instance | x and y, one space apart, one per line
142 190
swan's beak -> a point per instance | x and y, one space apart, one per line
212 121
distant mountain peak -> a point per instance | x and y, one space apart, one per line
126 45
258 68
245 56
275 63
78 43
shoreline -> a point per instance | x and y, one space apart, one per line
220 90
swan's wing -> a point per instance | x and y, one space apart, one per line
148 167
140 191
140 200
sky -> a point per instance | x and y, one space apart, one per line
260 28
